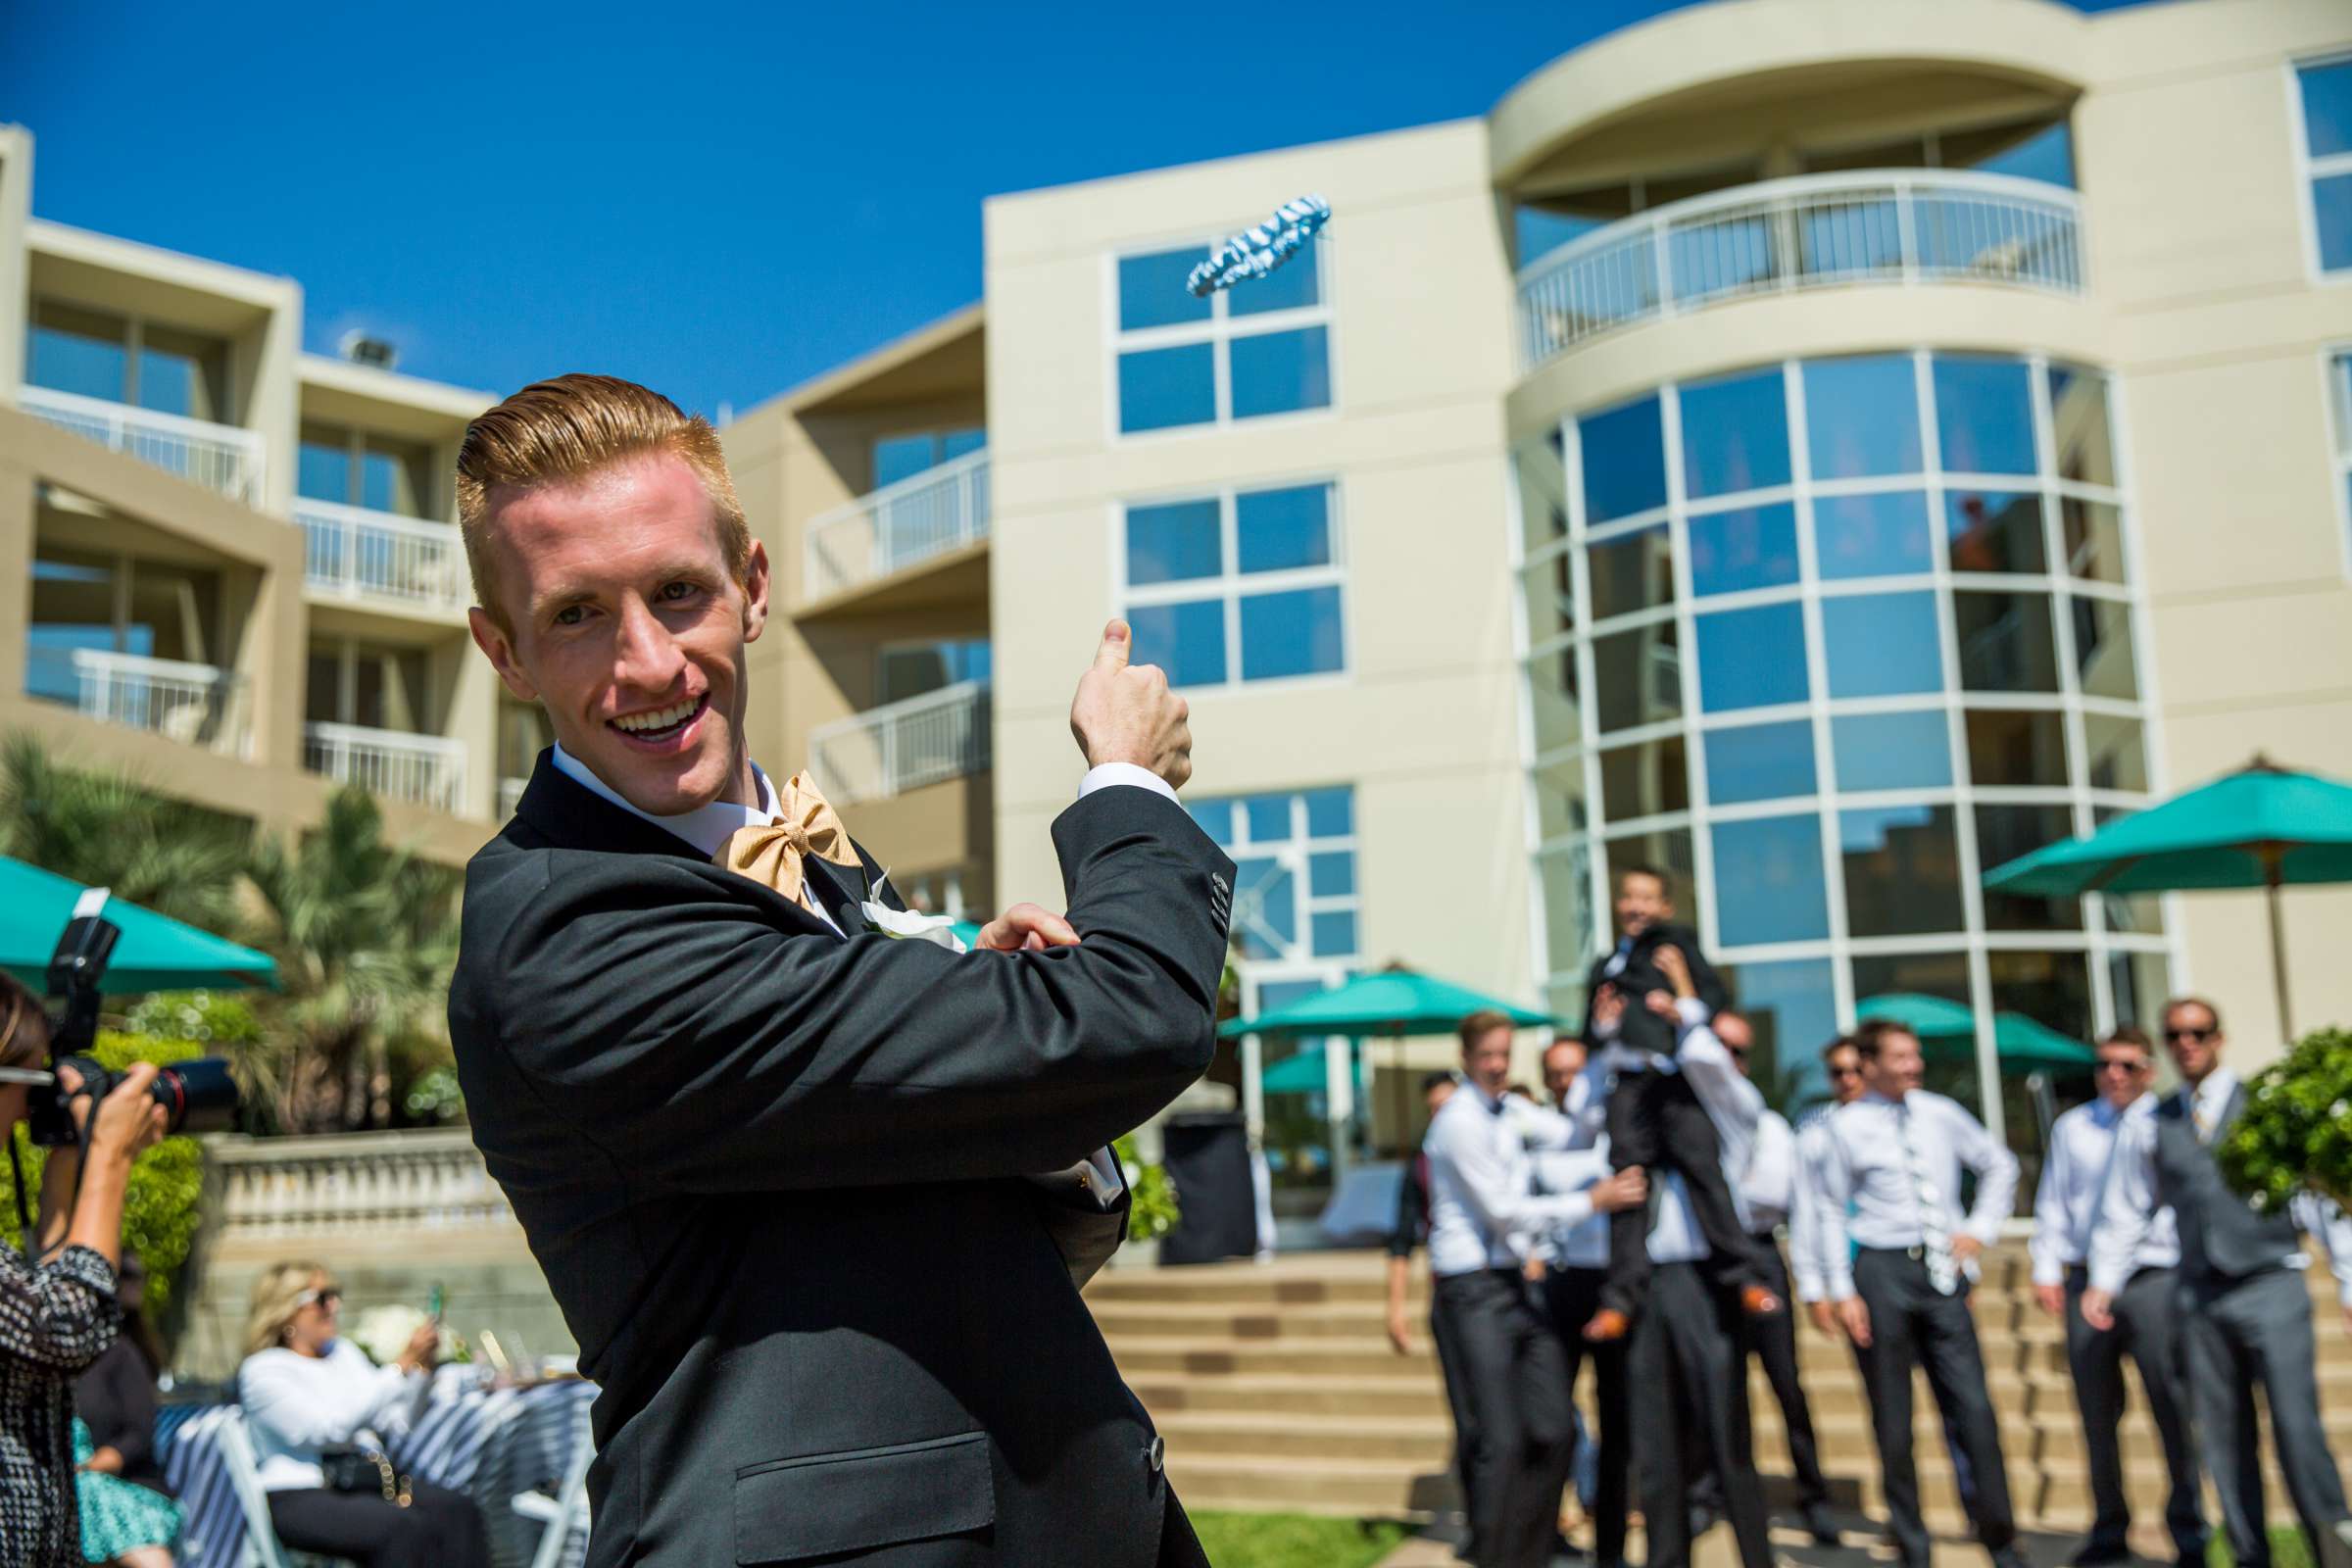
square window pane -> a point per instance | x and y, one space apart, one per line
1768 881
1542 490
1734 434
1984 415
1571 933
1294 285
1639 675
1753 547
1560 804
2006 833
1216 818
1902 870
1759 762
1552 699
1187 640
322 472
2005 642
1280 372
2093 534
1862 416
1993 530
1265 907
1334 933
1878 978
1649 778
1892 750
2051 989
903 457
1331 813
1160 388
2048 155
2116 753
1624 460
2331 216
1293 633
1792 1009
2009 745
1270 818
1549 587
1882 645
1279 529
1174 542
2326 107
2140 982
2079 421
1668 851
1331 873
2139 914
74 362
1750 658
1152 291
1873 536
954 444
2103 663
1630 571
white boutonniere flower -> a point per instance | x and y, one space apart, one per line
906 923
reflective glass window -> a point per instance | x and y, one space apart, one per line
1552 697
1187 640
2016 747
1902 870
1174 542
1152 291
1648 778
1769 885
2140 982
1571 926
1668 851
1281 373
1734 434
1334 933
1791 1009
2006 643
323 470
1984 415
2006 833
1630 571
2103 660
1293 633
1549 589
1881 535
1882 645
1331 874
1216 818
1560 803
1278 530
1624 460
2049 989
1269 818
1751 658
1881 980
1750 546
1542 490
1160 388
1330 813
1638 676
1759 762
2093 535
1892 751
2327 91
84 351
1862 416
2047 155
1993 530
2116 753
2331 216
2079 424
1293 287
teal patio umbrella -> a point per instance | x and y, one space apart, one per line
156 954
2019 1044
2263 826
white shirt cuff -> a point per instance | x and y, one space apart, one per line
1692 1011
1106 1166
2048 1271
1111 773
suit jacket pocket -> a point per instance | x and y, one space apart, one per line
787 1510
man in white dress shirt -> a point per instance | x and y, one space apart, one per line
1483 1215
1901 1286
2066 1211
2246 1309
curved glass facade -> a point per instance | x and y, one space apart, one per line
1827 639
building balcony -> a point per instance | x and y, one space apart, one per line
510 796
1816 231
195 704
364 557
219 457
903 746
422 769
931 519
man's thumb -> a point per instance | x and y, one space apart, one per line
1116 641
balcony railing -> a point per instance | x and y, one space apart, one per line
903 746
423 770
219 457
898 526
510 796
1869 227
357 553
196 705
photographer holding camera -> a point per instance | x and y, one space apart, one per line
57 1298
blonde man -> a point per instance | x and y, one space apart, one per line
773 1160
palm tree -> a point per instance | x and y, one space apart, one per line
107 830
365 935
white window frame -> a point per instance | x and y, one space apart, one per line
2309 170
2335 371
1231 585
1219 331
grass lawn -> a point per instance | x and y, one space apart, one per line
2288 1549
1298 1540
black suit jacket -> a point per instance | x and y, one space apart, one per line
1640 1027
775 1181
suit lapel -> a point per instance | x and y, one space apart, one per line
839 889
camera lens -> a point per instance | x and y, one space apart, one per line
197 1096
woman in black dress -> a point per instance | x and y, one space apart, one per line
121 1523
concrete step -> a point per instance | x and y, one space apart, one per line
1365 1398
1426 1440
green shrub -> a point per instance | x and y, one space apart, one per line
2295 1134
1153 1213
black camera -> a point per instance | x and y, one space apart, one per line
198 1095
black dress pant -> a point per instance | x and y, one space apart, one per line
439 1529
1913 1324
1772 1339
2146 1318
1571 1295
1685 1355
1444 1329
1512 1371
1655 1121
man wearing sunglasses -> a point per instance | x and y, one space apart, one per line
2246 1310
2066 1208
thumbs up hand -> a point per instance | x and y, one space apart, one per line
1125 712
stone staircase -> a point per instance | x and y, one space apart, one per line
1275 1388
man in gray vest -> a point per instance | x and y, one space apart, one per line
2246 1309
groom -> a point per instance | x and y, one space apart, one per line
772 1161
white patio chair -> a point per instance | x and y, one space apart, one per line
567 1513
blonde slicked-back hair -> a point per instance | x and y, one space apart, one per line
569 427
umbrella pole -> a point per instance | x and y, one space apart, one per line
2271 855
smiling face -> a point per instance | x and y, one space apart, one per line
630 628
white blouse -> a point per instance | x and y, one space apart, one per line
297 1404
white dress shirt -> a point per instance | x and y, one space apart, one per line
1769 1184
296 1405
1808 1274
1581 1161
1483 1211
2074 1176
1734 1106
2127 1209
1865 1165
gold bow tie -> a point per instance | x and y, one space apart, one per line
805 824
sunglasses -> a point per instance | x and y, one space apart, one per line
2191 1034
1845 1072
321 1298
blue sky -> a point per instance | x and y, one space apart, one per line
719 201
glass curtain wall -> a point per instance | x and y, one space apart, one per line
1827 640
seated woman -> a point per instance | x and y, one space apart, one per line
306 1392
128 1515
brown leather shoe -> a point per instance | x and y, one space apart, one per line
1608 1324
1757 1302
